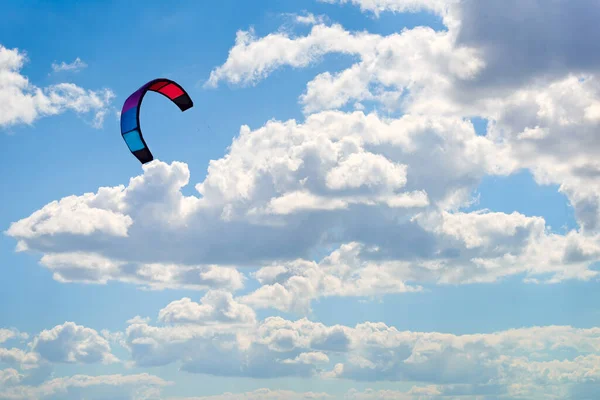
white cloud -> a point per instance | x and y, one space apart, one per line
407 62
392 186
538 91
399 6
384 193
434 61
152 201
294 285
438 156
310 19
216 307
311 357
366 169
415 393
550 130
302 201
242 216
81 219
96 269
479 247
508 363
19 358
9 377
260 394
134 387
22 102
72 343
555 45
9 334
75 66
553 360
252 59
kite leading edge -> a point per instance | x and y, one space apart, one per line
130 114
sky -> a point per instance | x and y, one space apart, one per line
369 200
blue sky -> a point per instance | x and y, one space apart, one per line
345 175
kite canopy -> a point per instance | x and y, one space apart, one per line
130 114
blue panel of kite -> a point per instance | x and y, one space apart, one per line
134 140
129 120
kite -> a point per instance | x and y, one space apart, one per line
130 114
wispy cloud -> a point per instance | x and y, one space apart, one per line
75 66
22 102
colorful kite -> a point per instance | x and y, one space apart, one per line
130 114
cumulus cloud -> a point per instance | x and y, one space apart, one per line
216 307
383 72
514 362
415 393
260 394
16 357
153 201
72 343
293 285
138 387
212 337
213 350
95 269
386 196
355 164
252 60
534 92
390 186
285 177
550 131
31 372
21 102
544 127
430 392
555 47
9 377
477 247
9 334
